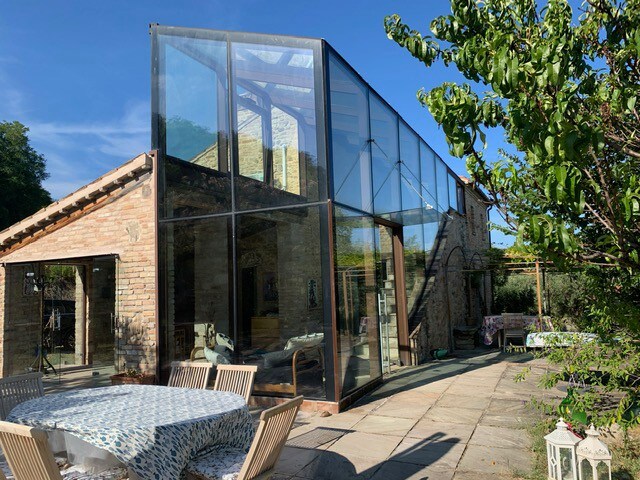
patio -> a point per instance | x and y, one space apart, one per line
462 418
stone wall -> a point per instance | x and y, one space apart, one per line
458 289
122 224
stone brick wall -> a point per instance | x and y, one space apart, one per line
123 224
458 290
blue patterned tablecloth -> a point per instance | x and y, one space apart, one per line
154 430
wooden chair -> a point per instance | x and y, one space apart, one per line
189 374
18 389
513 327
273 430
236 378
29 456
28 453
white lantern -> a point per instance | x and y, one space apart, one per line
561 453
594 458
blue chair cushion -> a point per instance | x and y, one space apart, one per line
219 462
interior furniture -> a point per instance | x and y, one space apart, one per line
29 457
265 331
513 327
286 372
236 378
492 325
18 389
273 430
189 374
158 428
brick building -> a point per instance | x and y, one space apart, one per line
287 217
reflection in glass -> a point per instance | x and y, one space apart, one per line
275 125
428 174
453 193
358 334
566 464
384 158
387 299
280 314
197 271
349 138
195 128
414 266
442 185
410 171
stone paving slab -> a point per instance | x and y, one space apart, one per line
453 415
429 452
367 445
500 437
409 471
446 432
385 425
490 460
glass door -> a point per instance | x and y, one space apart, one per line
102 320
386 283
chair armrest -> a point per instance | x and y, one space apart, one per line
194 354
295 362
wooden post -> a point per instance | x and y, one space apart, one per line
539 291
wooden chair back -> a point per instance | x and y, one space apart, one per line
236 378
512 321
28 453
18 389
273 431
190 374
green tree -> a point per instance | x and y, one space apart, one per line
22 171
563 85
565 93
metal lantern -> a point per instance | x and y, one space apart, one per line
561 453
594 458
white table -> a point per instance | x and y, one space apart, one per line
153 430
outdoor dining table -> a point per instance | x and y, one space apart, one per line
492 324
153 430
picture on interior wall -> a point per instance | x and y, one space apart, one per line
270 287
312 294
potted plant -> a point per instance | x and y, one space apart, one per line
132 376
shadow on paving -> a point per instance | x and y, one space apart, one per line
415 458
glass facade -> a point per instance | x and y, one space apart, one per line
296 212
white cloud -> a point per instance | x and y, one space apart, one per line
77 153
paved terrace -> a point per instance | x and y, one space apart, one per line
461 418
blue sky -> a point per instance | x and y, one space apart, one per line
77 73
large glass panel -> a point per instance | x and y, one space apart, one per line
414 267
275 125
442 185
428 174
280 298
349 138
384 158
358 332
196 269
193 119
410 172
453 193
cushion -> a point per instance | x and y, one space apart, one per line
215 357
77 473
303 341
219 462
280 358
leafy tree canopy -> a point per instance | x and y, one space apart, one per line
22 171
564 87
